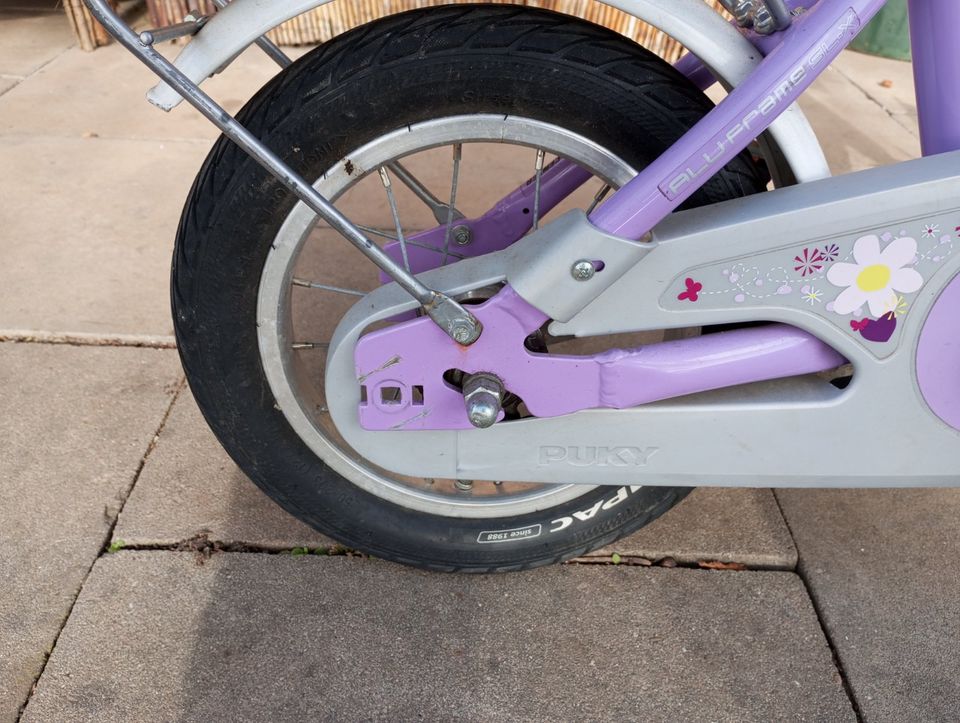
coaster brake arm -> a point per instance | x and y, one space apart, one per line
456 322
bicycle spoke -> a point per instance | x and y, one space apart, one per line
377 232
601 194
326 287
452 254
457 157
439 209
388 187
536 188
310 345
409 241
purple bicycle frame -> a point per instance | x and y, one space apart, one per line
637 207
750 109
809 46
793 60
816 38
934 29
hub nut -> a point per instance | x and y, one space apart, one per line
462 235
483 397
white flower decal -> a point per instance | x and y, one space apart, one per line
876 276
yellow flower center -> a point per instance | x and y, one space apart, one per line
874 278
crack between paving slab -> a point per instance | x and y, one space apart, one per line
834 652
205 547
669 562
180 386
140 341
21 78
17 81
895 117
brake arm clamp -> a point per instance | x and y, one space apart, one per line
764 16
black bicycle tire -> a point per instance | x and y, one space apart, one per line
508 59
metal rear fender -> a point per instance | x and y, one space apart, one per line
791 147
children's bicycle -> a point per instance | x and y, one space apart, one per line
484 287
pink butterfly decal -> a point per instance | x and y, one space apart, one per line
693 291
860 325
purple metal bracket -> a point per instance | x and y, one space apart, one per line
497 229
402 368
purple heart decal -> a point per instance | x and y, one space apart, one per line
880 330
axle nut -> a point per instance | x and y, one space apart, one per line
483 396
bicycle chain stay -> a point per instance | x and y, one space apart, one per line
402 369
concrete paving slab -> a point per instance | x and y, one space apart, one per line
31 37
155 636
889 83
7 82
725 525
74 426
881 565
856 132
86 232
190 487
104 92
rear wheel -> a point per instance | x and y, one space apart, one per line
420 119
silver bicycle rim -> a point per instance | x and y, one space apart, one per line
279 348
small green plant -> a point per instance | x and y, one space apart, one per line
616 558
116 546
300 551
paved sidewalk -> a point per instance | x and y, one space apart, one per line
848 609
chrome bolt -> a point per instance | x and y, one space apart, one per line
462 235
742 11
464 485
464 333
763 21
483 396
583 270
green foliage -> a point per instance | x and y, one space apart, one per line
116 546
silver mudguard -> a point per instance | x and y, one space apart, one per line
702 31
